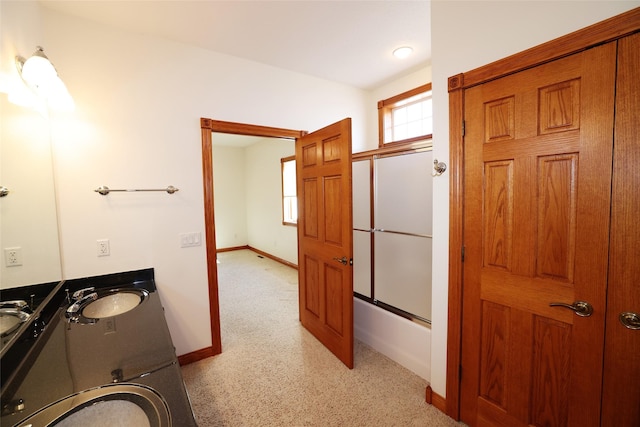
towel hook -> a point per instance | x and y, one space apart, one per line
438 168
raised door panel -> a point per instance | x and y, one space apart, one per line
556 211
498 218
309 200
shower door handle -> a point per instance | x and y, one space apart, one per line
581 308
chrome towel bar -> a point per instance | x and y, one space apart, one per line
104 190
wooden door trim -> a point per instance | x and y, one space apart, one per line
605 31
456 217
207 126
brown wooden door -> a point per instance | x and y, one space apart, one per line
538 156
325 241
621 393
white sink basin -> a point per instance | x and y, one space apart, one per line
11 319
8 323
107 414
112 305
91 307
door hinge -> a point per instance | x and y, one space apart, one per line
464 127
462 253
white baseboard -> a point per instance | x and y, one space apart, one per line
401 340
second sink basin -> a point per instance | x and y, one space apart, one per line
102 304
113 304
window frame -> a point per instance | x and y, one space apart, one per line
295 197
385 108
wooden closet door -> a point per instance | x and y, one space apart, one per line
538 156
621 394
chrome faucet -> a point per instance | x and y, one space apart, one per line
79 294
18 304
80 299
13 407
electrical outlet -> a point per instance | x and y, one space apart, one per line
12 257
109 325
103 247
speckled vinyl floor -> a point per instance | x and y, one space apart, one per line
272 372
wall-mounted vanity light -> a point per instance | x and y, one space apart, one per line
39 75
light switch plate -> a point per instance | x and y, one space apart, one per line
190 239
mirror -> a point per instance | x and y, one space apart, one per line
29 239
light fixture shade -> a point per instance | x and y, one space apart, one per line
38 71
41 76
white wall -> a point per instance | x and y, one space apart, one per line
264 200
229 197
466 35
248 198
139 100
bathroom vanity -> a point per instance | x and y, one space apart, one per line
94 350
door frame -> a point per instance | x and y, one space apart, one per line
605 31
207 127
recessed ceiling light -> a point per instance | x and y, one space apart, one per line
402 52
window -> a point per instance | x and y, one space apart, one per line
289 193
407 117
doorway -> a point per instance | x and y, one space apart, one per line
208 128
325 224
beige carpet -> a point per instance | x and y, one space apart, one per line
272 372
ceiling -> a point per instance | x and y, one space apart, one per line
346 41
